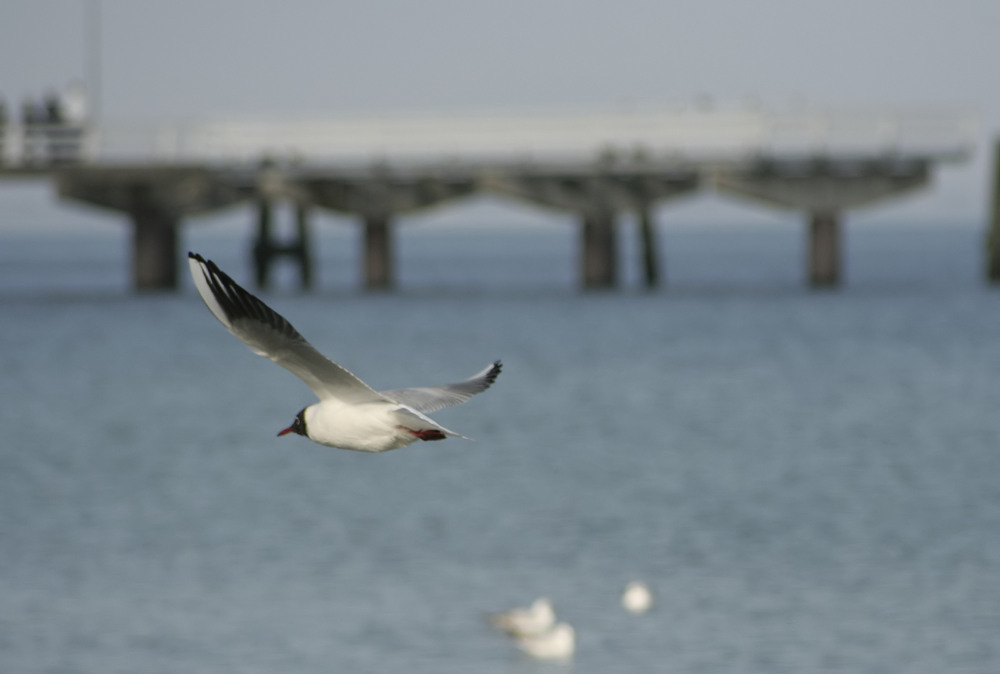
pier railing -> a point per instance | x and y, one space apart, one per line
687 136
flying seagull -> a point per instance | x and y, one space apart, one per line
349 414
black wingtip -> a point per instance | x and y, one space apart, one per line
494 372
219 279
236 302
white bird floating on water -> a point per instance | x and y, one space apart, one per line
557 643
349 414
637 597
525 622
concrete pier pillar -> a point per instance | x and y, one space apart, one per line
154 249
263 251
599 250
993 229
378 252
305 245
267 248
647 241
824 249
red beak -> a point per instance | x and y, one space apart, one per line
285 431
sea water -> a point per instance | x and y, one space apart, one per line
808 481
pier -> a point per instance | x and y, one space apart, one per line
596 166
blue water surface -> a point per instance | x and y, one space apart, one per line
809 481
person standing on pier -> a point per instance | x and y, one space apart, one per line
51 130
66 116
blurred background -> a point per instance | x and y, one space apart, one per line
146 61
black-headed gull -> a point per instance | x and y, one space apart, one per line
557 643
349 414
529 621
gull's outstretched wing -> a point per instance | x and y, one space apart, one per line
269 334
429 399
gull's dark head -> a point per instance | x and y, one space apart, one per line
298 426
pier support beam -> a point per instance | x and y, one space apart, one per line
993 231
825 188
263 248
305 242
154 249
377 196
649 248
824 249
378 252
267 249
599 250
156 200
598 193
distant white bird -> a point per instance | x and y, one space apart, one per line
637 597
557 643
349 414
521 622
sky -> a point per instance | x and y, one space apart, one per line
192 59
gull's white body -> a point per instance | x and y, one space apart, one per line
349 414
376 426
557 643
530 621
